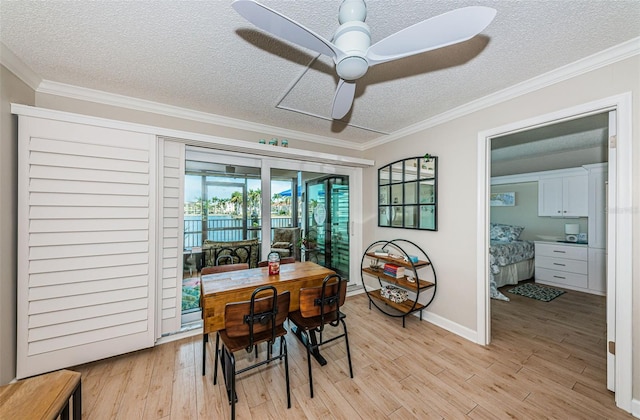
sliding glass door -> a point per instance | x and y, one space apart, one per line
327 222
222 203
229 197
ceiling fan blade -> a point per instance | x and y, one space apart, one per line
343 99
281 26
440 31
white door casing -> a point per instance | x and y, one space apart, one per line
612 235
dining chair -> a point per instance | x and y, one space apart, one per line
285 260
320 306
247 324
213 270
223 268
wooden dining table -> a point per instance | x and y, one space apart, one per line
237 286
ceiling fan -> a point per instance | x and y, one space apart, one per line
351 48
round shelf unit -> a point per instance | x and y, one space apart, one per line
398 277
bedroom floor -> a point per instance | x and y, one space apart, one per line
547 360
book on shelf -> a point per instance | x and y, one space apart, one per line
392 270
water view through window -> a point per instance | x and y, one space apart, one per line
223 204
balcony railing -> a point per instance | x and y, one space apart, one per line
225 229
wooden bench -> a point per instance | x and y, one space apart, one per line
42 397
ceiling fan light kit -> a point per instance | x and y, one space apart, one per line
351 49
354 38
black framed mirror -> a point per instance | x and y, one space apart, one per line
407 193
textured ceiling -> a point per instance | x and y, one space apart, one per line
202 56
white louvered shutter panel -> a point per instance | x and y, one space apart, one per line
170 235
86 243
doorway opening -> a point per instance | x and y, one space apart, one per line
541 170
619 227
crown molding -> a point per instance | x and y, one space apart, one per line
18 67
122 101
606 57
194 139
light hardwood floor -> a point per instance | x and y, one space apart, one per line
546 360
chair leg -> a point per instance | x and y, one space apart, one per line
232 400
346 340
215 363
205 339
283 344
309 365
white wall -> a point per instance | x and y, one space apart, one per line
525 214
12 89
453 247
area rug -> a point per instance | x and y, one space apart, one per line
534 291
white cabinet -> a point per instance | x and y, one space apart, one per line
570 266
597 227
565 196
597 205
597 271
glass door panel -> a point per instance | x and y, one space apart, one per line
222 203
285 213
327 222
284 199
339 211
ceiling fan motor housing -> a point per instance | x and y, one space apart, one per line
353 38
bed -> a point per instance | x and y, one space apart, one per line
510 260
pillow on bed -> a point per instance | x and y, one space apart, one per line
504 233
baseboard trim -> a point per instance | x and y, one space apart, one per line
635 408
178 336
450 326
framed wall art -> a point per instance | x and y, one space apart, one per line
503 199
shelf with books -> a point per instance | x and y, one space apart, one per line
398 260
396 281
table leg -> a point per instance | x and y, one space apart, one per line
314 342
77 402
205 339
64 414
